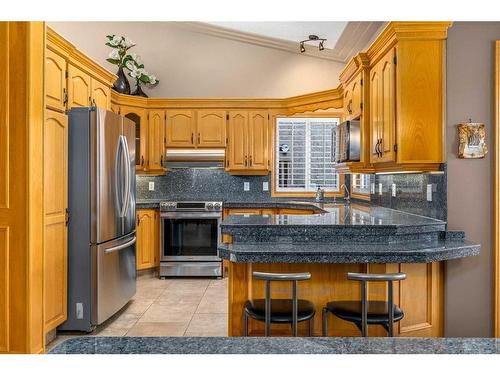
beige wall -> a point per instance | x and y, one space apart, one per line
470 72
191 64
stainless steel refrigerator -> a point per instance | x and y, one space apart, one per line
101 233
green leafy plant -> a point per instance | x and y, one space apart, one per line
137 71
120 45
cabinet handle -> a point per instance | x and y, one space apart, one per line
246 161
94 103
142 161
192 138
349 107
65 97
138 220
379 148
250 161
66 217
376 148
161 160
198 139
90 101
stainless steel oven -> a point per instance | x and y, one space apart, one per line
190 236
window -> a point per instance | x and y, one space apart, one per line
304 155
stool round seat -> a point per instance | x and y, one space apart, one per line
351 311
281 310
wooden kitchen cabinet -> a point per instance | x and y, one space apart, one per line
181 128
140 118
79 93
147 232
353 98
55 258
383 108
156 139
248 142
100 94
56 93
211 128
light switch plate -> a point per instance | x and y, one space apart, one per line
246 186
151 186
265 186
379 189
79 310
393 190
372 188
429 192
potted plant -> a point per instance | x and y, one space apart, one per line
141 76
118 56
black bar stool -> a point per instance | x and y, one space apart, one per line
281 311
366 312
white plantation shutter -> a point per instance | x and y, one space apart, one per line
303 154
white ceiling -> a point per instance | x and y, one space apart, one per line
290 31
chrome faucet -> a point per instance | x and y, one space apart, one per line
347 196
320 194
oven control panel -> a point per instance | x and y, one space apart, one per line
191 206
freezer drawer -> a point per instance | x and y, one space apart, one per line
115 276
213 269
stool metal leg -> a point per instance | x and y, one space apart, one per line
245 323
295 309
364 310
324 326
268 308
391 311
311 327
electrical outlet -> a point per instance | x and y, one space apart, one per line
151 186
429 192
379 189
265 186
79 310
372 188
246 186
393 190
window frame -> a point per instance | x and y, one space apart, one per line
274 178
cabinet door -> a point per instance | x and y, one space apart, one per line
237 150
55 230
101 94
258 130
147 242
78 88
388 106
356 96
347 101
180 128
139 117
375 109
55 81
156 139
211 128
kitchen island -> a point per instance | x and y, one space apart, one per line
343 238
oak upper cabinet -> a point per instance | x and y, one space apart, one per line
140 118
258 132
147 248
55 204
79 90
237 148
56 93
181 128
247 149
211 128
352 98
156 139
383 108
100 94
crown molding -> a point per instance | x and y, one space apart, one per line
260 40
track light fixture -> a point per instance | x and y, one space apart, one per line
313 38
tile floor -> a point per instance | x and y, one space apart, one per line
171 307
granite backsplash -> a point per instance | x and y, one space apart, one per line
216 184
411 193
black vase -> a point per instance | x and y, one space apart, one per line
138 91
121 84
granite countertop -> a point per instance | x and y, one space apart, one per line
276 345
314 252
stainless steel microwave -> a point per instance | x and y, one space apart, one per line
346 142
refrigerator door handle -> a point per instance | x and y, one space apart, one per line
120 247
118 175
126 157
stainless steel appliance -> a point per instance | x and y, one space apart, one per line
346 142
190 235
101 233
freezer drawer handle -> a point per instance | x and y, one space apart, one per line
120 247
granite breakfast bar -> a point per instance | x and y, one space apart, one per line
336 239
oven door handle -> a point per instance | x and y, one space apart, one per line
191 215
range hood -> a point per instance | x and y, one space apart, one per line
195 158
